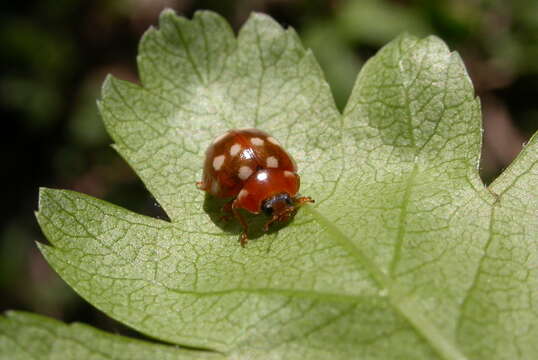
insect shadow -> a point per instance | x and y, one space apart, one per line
213 206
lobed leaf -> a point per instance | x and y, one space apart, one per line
30 336
406 254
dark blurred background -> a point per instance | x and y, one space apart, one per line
55 55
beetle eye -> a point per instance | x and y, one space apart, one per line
267 208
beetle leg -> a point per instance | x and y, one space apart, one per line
227 209
244 237
303 200
285 215
269 222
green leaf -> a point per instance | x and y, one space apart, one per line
29 336
404 255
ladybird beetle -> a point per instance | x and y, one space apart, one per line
252 167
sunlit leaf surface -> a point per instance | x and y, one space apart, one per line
404 255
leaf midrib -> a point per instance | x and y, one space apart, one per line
404 304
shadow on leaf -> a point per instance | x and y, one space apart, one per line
213 206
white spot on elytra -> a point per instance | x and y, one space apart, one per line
234 150
215 186
273 140
242 194
247 154
288 174
256 141
245 172
218 161
220 137
272 162
261 176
